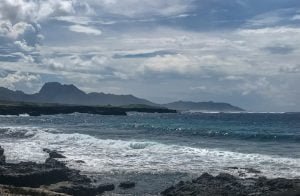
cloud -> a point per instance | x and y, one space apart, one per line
165 51
75 63
272 18
280 49
85 30
33 10
145 54
177 63
271 30
290 69
19 80
98 66
198 88
19 41
21 31
142 8
296 17
232 78
81 20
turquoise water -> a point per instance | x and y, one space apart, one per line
164 147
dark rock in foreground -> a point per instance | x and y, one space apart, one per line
53 154
22 191
226 184
127 185
2 157
105 187
50 177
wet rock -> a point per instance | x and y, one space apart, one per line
22 191
226 184
169 190
31 174
77 190
252 170
80 189
52 175
105 187
53 154
52 163
2 157
1 151
127 185
2 160
79 161
226 177
232 168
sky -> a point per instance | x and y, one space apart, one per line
244 52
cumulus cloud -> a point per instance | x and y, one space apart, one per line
23 32
84 65
170 63
19 80
33 11
20 29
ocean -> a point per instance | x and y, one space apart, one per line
158 150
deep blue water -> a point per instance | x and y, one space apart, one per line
171 146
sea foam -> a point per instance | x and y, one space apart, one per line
137 156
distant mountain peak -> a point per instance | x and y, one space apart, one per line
55 92
56 87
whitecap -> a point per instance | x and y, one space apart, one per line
24 115
106 155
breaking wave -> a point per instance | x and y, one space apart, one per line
107 155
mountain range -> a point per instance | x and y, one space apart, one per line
54 92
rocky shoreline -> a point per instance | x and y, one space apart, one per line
50 178
54 178
228 185
49 109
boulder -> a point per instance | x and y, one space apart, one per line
2 157
54 154
77 190
105 187
1 151
127 185
81 189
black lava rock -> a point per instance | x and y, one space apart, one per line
226 184
2 157
105 187
53 154
52 175
127 185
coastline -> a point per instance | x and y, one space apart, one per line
53 109
54 178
